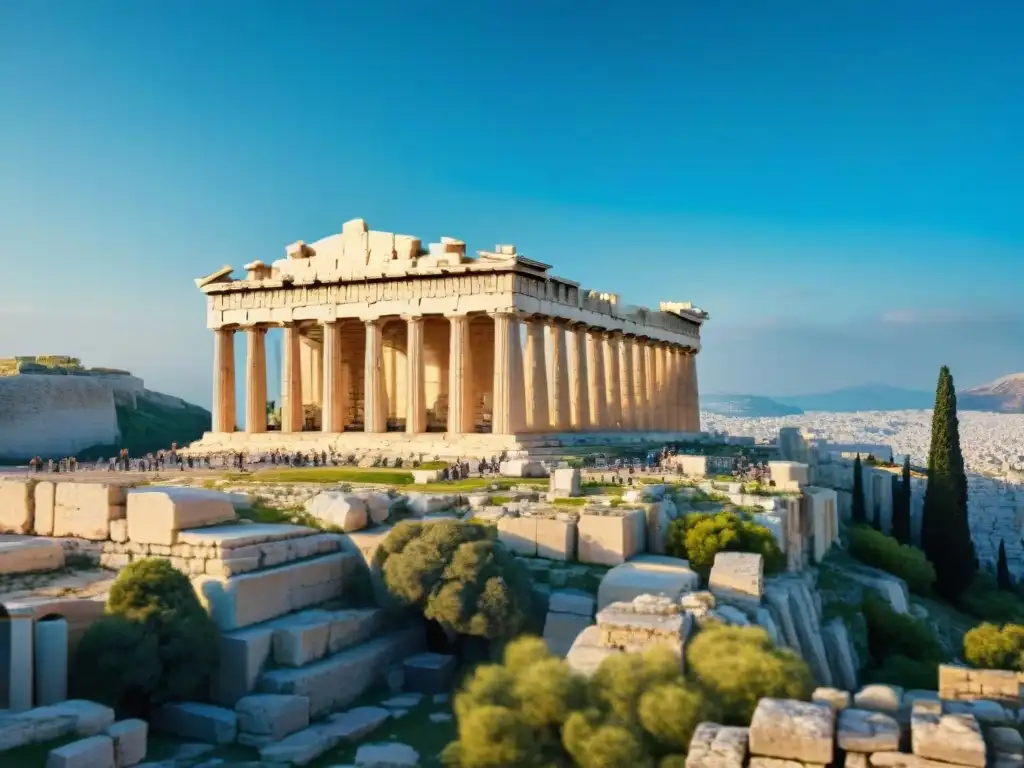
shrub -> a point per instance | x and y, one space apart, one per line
698 538
876 549
155 644
891 633
910 674
458 575
986 601
533 710
991 647
740 665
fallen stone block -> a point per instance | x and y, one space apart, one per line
610 539
948 738
305 637
17 505
356 723
93 752
572 601
269 717
198 722
879 698
251 598
303 747
344 511
420 504
429 673
793 730
84 510
390 755
130 740
833 697
556 539
717 746
522 468
647 575
339 680
647 620
737 578
564 483
519 535
30 555
861 730
156 515
90 718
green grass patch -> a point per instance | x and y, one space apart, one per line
470 484
569 502
262 513
500 500
325 475
432 465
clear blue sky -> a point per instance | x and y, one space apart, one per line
840 184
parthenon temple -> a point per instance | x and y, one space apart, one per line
384 340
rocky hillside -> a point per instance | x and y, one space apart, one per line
53 407
1005 395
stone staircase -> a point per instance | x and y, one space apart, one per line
289 636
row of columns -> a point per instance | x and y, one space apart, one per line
565 378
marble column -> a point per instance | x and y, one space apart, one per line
671 389
651 390
559 402
612 385
316 365
507 416
538 418
223 380
666 387
658 401
596 380
374 416
415 386
627 383
291 380
460 377
256 380
332 413
21 644
682 390
51 661
693 393
640 383
579 378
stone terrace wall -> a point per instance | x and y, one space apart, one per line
965 684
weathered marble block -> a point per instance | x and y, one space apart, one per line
738 578
156 515
93 752
84 510
556 539
647 575
17 505
860 730
949 738
793 730
130 742
44 493
610 539
519 534
564 483
717 746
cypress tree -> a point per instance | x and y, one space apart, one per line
901 505
1003 577
858 511
945 532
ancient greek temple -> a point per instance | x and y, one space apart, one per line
384 338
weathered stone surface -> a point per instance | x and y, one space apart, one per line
610 539
793 730
17 505
429 673
880 698
390 755
240 601
45 492
156 515
84 510
842 658
345 511
93 752
833 697
903 760
198 722
647 575
340 679
305 746
271 716
519 534
522 468
861 730
564 483
562 629
717 746
737 578
130 741
378 507
659 515
1005 741
304 637
855 760
29 555
947 738
775 762
556 538
964 683
587 651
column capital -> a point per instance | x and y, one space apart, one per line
615 333
258 327
412 318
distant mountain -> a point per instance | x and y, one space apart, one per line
870 397
1005 395
746 405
